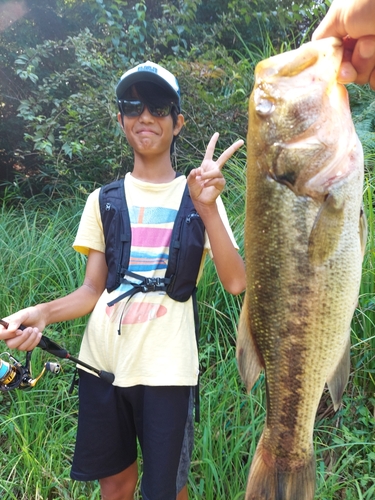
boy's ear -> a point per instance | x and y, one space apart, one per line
179 124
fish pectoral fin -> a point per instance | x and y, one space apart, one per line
363 230
326 231
248 359
339 378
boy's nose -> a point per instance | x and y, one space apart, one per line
146 115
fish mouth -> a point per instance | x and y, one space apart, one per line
293 63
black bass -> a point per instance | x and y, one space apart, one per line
305 235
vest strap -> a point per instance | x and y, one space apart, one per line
144 285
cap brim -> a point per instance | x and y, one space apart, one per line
143 76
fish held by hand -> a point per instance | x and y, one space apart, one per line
304 243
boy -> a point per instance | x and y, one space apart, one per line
147 340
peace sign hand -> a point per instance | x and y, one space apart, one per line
207 182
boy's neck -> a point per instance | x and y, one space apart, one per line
156 170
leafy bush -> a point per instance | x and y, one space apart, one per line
67 109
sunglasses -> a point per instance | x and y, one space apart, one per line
136 108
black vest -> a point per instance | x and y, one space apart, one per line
185 251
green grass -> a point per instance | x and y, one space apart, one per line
38 425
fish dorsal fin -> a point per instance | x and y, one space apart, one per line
326 231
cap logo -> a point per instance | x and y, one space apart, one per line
147 68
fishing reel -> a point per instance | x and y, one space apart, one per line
14 375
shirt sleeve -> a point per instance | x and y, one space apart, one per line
90 234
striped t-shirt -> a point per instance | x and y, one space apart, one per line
157 345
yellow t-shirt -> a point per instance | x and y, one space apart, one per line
157 344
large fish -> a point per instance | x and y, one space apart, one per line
304 241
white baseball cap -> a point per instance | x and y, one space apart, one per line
148 72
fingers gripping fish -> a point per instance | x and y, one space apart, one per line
304 244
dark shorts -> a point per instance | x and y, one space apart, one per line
110 421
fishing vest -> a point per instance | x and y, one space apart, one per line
185 250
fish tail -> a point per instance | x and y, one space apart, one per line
266 482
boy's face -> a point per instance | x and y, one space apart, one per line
148 134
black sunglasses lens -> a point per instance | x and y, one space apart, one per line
160 111
132 108
136 108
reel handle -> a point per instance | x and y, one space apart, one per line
53 367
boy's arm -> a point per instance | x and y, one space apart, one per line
205 185
78 303
228 262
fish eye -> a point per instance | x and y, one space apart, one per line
265 107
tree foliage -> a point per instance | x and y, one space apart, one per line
61 60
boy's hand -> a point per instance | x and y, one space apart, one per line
207 182
354 22
27 339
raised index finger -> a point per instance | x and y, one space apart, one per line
224 157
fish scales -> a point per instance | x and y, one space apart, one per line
304 242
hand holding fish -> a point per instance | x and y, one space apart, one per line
207 182
354 22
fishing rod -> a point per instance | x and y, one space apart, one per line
14 375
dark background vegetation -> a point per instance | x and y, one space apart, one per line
60 61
